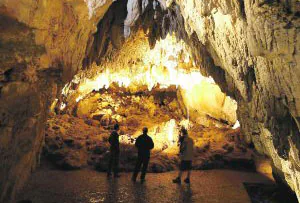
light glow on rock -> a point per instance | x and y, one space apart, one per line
168 63
62 106
165 135
170 128
93 5
136 67
236 125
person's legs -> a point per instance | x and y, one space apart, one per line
180 173
188 174
182 168
116 165
145 166
137 168
189 168
110 163
178 179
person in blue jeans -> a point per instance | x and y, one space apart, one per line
144 144
186 145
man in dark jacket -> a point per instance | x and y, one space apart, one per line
144 144
114 152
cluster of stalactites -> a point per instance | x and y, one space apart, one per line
168 63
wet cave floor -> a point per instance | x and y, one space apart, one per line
50 185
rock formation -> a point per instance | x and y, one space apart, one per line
43 44
80 141
256 43
249 47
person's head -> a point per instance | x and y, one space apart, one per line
145 130
184 131
116 127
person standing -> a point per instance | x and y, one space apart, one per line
144 144
114 152
186 145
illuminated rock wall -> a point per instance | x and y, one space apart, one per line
251 49
43 44
256 43
207 99
136 66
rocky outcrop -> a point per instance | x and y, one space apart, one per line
74 143
42 45
255 50
260 53
137 68
251 49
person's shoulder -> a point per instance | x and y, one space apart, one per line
114 133
190 139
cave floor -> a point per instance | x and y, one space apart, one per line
53 186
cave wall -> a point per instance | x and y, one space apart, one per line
42 45
251 49
256 44
136 68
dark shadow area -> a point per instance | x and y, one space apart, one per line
185 193
139 193
259 192
113 194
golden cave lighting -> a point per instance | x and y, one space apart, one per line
168 63
165 135
170 129
62 106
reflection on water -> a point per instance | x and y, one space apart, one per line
86 186
95 197
137 193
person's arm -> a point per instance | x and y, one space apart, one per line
180 140
192 151
137 142
183 147
114 140
193 144
110 139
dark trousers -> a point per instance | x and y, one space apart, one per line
113 163
141 161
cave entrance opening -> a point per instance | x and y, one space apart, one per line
160 88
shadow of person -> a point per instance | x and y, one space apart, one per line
112 193
185 193
139 192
